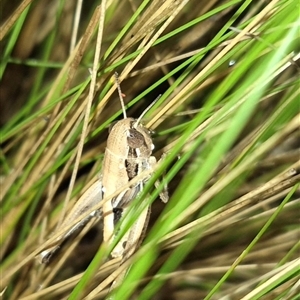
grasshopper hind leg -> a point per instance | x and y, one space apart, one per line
86 202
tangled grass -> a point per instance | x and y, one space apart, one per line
228 121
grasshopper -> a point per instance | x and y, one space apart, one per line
128 153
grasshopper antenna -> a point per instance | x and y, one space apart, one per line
120 94
145 111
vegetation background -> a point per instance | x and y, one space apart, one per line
228 120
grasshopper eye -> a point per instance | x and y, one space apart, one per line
135 139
